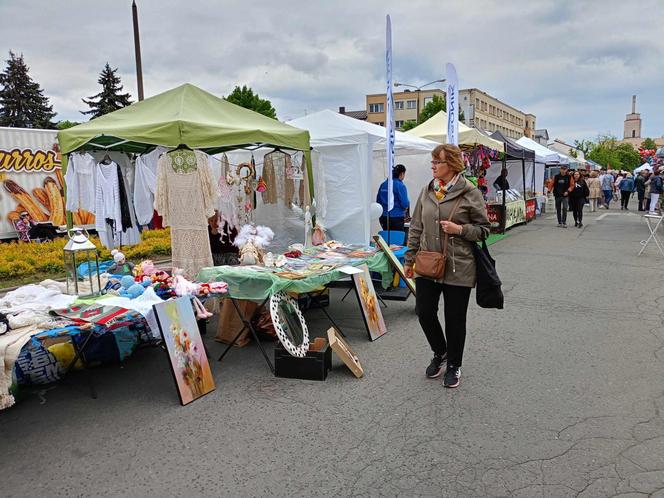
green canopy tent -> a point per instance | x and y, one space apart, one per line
184 115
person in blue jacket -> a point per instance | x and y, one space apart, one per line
627 186
401 202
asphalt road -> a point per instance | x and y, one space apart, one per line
561 395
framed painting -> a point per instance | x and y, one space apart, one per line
366 295
394 261
186 352
343 351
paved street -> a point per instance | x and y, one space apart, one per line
561 395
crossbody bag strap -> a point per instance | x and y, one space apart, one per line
447 235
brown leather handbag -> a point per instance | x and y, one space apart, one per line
432 263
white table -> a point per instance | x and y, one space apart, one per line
653 221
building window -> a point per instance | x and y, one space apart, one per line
633 133
427 100
377 107
398 123
411 104
380 123
398 104
477 104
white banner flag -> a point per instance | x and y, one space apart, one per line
452 104
389 119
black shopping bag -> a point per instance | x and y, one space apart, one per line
488 291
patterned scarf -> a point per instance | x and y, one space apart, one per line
441 188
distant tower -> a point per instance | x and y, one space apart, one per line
633 122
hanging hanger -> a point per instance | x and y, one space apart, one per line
107 159
183 147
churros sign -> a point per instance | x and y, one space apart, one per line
28 160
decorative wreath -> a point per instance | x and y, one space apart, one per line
301 350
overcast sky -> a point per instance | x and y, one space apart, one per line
574 64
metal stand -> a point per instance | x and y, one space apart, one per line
247 325
79 355
653 233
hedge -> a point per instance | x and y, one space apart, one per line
19 259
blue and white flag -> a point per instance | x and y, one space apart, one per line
389 142
452 104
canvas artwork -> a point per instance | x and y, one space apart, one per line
366 294
396 264
185 348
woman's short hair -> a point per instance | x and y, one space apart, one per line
452 156
593 174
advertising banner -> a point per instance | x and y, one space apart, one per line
452 104
389 124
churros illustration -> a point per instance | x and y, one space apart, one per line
41 195
22 197
55 201
77 218
58 175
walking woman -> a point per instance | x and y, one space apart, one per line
449 216
595 189
577 198
627 186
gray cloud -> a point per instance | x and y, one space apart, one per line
574 64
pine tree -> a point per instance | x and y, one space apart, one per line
22 101
109 99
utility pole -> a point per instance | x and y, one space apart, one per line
137 50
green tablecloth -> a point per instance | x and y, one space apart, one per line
256 286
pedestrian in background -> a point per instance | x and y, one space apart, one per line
617 194
627 186
448 205
606 181
656 189
594 189
397 216
577 198
562 186
640 187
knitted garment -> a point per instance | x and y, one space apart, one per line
280 188
186 199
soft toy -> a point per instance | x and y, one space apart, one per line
145 268
120 266
182 286
129 288
252 240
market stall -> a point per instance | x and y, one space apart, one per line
519 203
352 163
435 128
545 159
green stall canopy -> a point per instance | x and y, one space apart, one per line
183 115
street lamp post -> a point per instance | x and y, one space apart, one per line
418 90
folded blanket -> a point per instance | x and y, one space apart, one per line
10 347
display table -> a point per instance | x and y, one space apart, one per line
243 283
513 214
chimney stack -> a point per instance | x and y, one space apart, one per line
633 104
342 110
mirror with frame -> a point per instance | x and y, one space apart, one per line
289 324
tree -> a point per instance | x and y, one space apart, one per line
611 154
583 145
64 124
649 144
110 98
22 101
245 97
408 125
434 106
573 153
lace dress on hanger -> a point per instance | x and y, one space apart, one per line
185 197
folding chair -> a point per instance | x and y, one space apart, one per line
657 220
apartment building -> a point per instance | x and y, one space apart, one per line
406 105
484 111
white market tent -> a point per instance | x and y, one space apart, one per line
435 128
644 166
543 154
351 158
